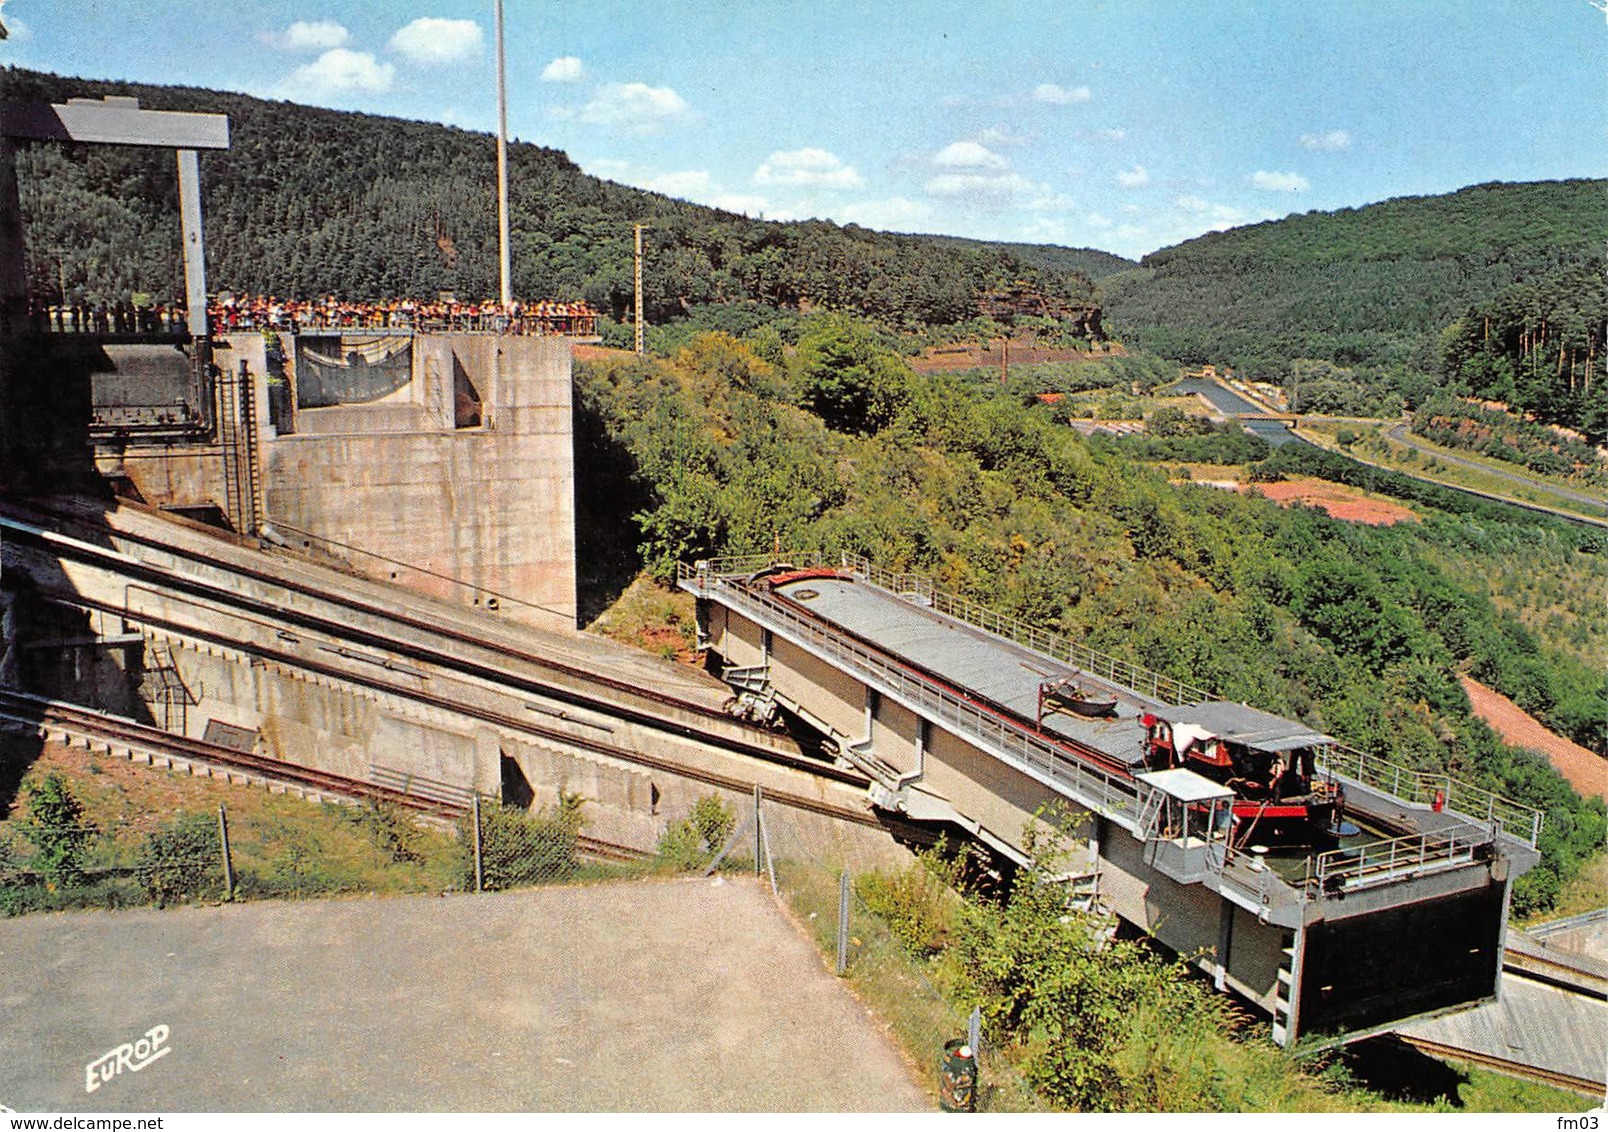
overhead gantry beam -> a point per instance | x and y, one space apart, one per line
114 121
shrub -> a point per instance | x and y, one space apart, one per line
693 841
391 831
914 902
518 848
182 860
57 827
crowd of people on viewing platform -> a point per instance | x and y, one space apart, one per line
230 313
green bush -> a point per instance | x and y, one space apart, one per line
692 842
182 860
520 848
916 902
59 831
391 831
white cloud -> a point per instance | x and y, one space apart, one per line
968 155
564 69
610 168
895 214
16 30
339 71
1002 135
1136 178
980 187
1060 95
807 168
1112 135
687 184
431 39
1098 222
1218 216
1333 141
747 205
314 35
1279 182
634 107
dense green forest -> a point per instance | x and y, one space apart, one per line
309 202
1538 347
731 447
1515 270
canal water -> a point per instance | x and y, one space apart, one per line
1227 401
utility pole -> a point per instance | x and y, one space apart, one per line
640 349
504 257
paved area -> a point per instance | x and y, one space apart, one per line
679 995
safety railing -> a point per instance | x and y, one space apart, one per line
742 565
1145 682
1380 862
1107 794
1440 791
1115 797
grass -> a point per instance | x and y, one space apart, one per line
652 617
1586 891
280 845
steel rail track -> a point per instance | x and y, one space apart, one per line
43 714
369 608
518 724
66 546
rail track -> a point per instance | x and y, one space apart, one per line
179 752
438 643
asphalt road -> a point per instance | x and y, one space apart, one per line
1400 434
682 995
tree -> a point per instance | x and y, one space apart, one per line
849 379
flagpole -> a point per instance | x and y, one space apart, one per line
504 257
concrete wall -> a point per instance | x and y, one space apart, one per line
395 490
492 507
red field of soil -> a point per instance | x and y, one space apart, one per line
1585 771
1340 501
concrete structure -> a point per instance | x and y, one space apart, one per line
458 483
181 627
934 700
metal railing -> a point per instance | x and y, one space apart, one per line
1380 862
742 565
1427 788
921 591
1108 794
1057 646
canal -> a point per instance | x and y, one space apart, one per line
1227 401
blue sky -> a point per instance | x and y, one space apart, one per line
1124 125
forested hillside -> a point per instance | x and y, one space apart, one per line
309 202
1516 269
1095 264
